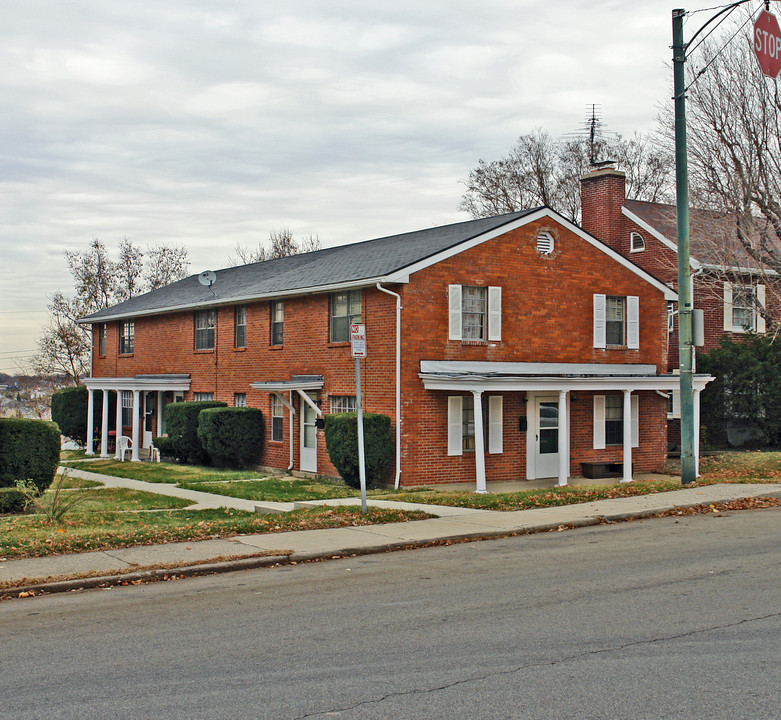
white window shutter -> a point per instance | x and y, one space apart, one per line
455 416
600 328
760 306
633 322
635 400
494 313
676 403
495 444
599 422
454 311
727 307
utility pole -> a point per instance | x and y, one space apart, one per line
685 347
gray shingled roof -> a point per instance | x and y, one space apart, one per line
363 261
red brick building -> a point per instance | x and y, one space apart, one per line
502 348
734 291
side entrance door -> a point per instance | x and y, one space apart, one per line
546 446
149 418
308 437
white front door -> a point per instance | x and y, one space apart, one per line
308 437
546 445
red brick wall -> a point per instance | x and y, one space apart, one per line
547 306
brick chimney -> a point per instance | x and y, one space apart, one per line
602 194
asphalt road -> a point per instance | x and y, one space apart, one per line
662 618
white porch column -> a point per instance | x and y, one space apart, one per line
160 403
627 436
563 439
696 433
118 426
104 427
90 421
136 402
479 443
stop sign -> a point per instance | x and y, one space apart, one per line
767 43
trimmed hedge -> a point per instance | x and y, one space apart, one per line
69 411
181 422
12 502
341 439
29 450
165 445
232 436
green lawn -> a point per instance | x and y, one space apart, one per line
161 472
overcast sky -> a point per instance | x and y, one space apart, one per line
208 124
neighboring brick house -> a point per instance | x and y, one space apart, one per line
502 348
731 288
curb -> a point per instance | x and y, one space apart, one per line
267 560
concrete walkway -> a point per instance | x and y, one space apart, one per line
66 572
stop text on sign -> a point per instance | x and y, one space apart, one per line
767 43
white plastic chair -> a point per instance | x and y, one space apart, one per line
154 454
124 444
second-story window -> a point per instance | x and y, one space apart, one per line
614 320
102 339
475 313
277 322
345 310
204 329
127 335
240 334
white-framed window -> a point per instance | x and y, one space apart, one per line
240 399
345 310
636 242
475 313
277 419
127 337
127 407
545 243
609 420
277 322
240 327
102 331
203 396
671 312
616 321
742 305
205 321
673 404
461 424
342 404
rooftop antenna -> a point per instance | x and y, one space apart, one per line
593 130
207 277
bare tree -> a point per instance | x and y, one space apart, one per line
281 243
165 264
542 171
99 282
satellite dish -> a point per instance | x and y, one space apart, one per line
207 277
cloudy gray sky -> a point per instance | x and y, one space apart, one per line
210 124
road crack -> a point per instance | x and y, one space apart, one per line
528 666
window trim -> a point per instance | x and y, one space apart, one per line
277 419
207 334
127 337
492 329
492 424
276 327
599 420
102 339
354 297
631 322
240 327
757 292
239 399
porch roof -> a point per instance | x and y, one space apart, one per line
536 377
296 382
140 382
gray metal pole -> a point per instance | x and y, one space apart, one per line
361 457
685 347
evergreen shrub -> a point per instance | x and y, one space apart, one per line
12 501
232 436
181 422
69 411
29 450
341 440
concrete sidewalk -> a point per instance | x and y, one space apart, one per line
66 572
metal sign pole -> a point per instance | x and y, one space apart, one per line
358 350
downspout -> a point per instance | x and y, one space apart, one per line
398 382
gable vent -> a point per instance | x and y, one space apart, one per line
636 242
545 243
